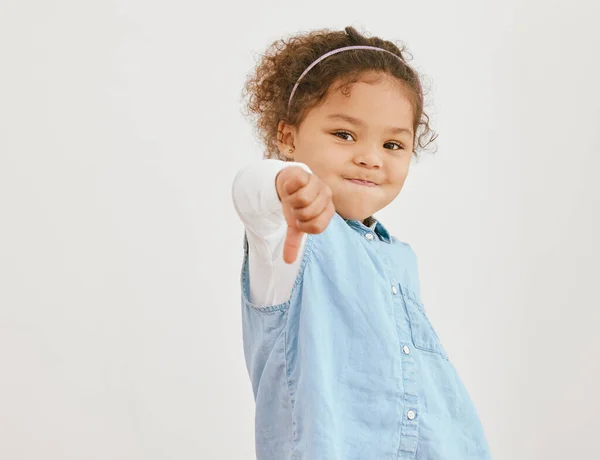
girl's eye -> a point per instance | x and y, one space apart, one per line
400 146
341 135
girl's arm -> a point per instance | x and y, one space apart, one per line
257 204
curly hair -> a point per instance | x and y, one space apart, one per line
268 87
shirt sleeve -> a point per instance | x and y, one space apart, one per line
258 206
255 196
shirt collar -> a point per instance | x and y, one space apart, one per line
374 227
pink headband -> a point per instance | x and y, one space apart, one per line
355 47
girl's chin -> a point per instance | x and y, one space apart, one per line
356 213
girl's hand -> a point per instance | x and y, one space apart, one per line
307 206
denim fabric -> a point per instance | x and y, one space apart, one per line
350 366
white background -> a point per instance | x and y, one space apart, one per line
120 134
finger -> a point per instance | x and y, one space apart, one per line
305 195
293 240
319 223
315 208
298 180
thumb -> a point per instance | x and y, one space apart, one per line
293 240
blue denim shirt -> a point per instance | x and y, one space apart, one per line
350 367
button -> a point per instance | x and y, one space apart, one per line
369 236
405 350
411 414
394 290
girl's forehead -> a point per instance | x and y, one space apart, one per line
381 93
370 101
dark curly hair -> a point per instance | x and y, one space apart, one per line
268 87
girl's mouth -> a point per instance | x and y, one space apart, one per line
363 182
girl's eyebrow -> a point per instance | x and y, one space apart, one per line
356 121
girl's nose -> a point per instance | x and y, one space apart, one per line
370 159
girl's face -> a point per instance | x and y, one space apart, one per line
359 144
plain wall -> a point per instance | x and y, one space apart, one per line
120 134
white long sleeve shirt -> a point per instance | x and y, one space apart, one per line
256 202
255 199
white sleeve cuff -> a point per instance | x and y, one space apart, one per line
254 191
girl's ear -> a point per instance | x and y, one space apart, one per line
286 135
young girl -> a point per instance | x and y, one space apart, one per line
343 361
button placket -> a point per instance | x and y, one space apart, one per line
409 399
